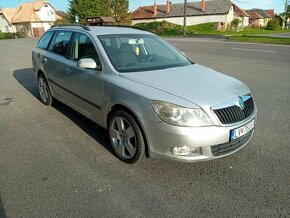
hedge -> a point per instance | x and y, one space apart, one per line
12 35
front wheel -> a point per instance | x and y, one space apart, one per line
44 92
126 137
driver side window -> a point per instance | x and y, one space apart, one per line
83 47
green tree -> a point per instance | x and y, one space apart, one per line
88 8
273 24
279 18
120 11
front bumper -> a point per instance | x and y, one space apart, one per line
214 141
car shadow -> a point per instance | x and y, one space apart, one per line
26 78
2 211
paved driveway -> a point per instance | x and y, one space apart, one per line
54 162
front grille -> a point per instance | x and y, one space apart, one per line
223 149
234 113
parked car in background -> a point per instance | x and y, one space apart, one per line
152 99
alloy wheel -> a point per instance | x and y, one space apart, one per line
43 90
123 138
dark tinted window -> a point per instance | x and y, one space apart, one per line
83 47
61 42
44 41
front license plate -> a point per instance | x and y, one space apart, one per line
236 133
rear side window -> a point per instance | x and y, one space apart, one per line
61 42
44 41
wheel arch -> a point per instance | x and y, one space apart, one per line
40 72
122 107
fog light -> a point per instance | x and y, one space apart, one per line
185 151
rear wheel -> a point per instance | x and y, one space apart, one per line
44 92
126 137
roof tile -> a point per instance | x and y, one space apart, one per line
254 15
177 10
8 13
240 12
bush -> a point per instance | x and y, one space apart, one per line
169 29
161 28
12 35
20 35
273 24
235 23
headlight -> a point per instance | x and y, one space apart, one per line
180 116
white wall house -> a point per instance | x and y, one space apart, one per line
197 13
6 17
4 24
33 18
243 16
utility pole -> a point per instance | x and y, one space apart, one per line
285 14
184 17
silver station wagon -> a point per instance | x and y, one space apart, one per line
151 98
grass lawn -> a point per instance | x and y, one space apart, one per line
168 29
258 39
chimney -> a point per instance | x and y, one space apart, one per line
168 4
155 8
202 6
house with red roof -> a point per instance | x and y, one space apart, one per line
242 15
204 11
260 17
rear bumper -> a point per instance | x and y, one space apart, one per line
212 142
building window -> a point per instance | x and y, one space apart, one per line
6 29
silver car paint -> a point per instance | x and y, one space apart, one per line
189 86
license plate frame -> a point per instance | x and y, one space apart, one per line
242 130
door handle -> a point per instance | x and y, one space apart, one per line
68 71
44 61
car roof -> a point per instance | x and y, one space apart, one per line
104 30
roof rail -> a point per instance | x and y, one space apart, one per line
68 25
124 26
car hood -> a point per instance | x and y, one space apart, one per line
198 84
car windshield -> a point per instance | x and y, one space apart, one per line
141 52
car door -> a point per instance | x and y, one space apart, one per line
39 52
55 63
85 85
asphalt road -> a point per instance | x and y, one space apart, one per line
55 162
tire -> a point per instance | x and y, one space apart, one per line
44 91
126 137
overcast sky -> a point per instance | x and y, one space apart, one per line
278 5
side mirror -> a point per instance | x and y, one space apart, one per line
88 63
